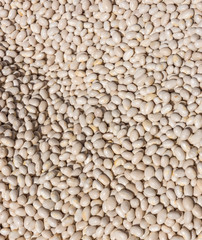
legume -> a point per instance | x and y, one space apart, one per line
100 120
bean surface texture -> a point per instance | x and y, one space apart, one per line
100 120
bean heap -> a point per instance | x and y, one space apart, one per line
101 120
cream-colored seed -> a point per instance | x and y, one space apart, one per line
7 141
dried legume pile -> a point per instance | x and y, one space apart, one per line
101 120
